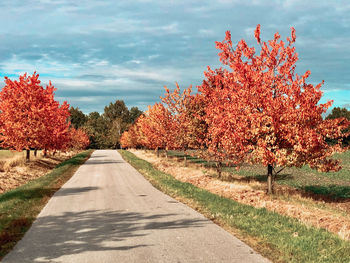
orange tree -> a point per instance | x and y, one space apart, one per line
78 139
259 110
157 128
187 110
29 114
133 137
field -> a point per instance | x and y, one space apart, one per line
6 154
334 185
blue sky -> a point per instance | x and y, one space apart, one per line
98 51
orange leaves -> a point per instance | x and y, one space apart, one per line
261 109
257 33
31 117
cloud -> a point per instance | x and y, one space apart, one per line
103 50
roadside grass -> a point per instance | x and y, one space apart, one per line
279 238
4 154
20 207
335 185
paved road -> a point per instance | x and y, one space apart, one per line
107 212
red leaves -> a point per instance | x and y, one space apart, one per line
262 110
257 34
257 111
30 116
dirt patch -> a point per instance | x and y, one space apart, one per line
19 172
289 202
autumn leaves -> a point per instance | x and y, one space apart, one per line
30 118
255 109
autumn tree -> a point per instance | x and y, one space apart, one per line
259 110
30 116
79 139
188 126
157 127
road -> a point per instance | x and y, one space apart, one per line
108 212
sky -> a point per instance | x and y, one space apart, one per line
96 52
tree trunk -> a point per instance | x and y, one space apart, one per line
185 160
27 155
45 152
269 180
157 151
35 152
166 153
218 168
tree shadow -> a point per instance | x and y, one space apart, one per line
38 192
71 233
329 193
94 162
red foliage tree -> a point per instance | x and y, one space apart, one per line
157 127
261 111
78 139
30 116
133 137
187 110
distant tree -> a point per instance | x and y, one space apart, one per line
338 112
116 110
117 119
77 117
97 129
134 113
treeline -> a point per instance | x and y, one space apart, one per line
31 118
254 110
104 130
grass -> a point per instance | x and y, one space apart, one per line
5 154
20 207
335 185
280 238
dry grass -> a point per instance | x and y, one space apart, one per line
288 201
15 171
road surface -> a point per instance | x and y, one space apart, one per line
107 212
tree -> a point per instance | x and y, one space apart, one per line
77 117
79 139
134 113
30 117
97 129
116 110
186 109
117 120
157 127
337 113
260 111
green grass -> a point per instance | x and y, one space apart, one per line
280 238
332 184
19 207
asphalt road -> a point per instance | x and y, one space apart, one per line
107 212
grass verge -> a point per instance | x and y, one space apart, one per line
20 207
335 185
279 238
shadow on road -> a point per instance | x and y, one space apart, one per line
94 162
79 232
